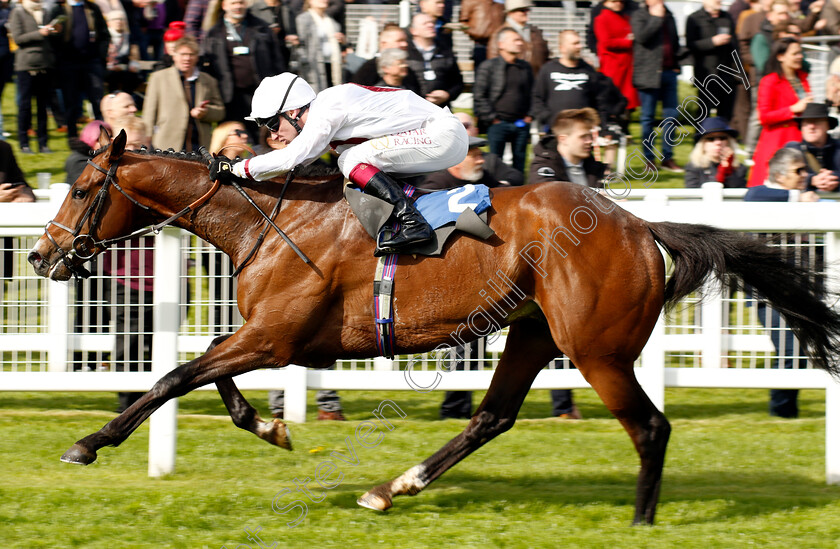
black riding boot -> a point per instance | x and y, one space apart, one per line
413 228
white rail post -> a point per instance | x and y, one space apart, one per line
832 388
163 425
58 304
382 364
651 375
711 308
294 406
832 432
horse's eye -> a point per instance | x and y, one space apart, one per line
79 194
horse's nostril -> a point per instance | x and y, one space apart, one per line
34 258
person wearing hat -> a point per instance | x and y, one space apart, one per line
713 156
473 169
469 170
821 151
374 131
535 49
174 32
567 154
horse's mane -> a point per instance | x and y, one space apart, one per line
313 170
171 153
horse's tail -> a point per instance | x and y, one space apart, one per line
794 291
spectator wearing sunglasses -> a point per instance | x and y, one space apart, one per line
230 139
375 131
713 157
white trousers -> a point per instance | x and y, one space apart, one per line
439 143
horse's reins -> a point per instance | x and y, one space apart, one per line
268 218
84 245
269 224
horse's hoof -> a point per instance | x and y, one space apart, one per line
375 500
79 455
277 433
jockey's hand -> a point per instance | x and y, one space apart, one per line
221 169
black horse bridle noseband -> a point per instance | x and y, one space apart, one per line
84 246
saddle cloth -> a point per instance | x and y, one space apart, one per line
463 209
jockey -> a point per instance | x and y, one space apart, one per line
374 130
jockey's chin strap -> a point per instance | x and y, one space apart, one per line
294 121
85 246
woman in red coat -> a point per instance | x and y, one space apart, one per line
782 95
615 48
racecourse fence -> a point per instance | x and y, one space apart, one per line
69 337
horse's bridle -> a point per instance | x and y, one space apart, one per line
85 246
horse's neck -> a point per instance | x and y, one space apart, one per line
228 221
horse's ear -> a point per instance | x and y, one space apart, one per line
104 135
118 145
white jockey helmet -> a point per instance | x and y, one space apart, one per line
280 93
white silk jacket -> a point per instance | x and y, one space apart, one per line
340 117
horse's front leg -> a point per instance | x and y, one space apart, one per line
233 356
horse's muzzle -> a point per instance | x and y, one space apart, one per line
57 268
41 267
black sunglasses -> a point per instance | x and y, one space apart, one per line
273 123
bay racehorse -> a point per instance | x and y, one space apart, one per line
567 270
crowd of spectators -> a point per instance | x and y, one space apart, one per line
181 74
189 65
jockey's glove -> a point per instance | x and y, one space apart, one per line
221 169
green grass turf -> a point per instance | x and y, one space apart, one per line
734 477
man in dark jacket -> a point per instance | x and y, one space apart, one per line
440 78
241 50
81 54
821 151
567 154
710 37
655 70
502 98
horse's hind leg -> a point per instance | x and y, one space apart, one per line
529 348
648 428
